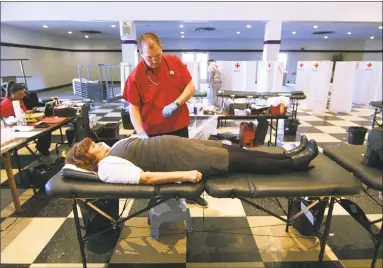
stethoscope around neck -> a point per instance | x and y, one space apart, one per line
171 72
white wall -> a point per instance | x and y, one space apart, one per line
50 68
287 11
374 44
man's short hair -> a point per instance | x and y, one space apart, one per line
146 37
210 60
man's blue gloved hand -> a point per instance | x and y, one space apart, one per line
169 109
143 135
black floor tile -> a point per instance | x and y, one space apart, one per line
366 203
42 206
99 114
6 196
350 241
25 160
362 123
137 205
303 264
112 119
324 145
309 130
340 136
64 247
329 117
318 123
146 265
266 203
221 240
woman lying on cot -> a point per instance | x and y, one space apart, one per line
165 159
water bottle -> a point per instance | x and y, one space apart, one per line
23 119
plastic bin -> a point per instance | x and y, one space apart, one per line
356 135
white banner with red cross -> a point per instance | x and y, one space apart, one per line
270 76
343 86
194 70
238 75
368 84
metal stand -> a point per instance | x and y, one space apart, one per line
290 219
115 223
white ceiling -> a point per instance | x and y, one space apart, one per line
224 29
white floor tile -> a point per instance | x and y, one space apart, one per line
303 123
114 114
33 234
321 137
309 118
218 207
105 111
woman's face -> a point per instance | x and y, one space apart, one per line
99 150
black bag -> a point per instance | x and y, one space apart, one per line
41 174
309 223
126 122
31 100
373 156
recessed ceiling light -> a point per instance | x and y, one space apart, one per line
294 32
181 26
113 26
248 26
86 36
69 32
349 33
315 26
45 26
182 32
326 37
372 37
182 36
238 32
380 27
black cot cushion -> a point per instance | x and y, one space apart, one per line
377 104
66 187
350 157
327 178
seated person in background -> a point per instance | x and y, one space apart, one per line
16 92
165 159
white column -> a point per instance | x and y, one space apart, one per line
129 49
272 40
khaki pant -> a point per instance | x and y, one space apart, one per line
214 88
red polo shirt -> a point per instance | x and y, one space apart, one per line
7 108
143 92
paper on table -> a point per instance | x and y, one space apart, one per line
25 134
23 128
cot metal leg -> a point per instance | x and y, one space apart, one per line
377 244
78 230
289 206
326 229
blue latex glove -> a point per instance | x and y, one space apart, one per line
169 109
143 135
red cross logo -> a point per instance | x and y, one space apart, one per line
269 65
237 65
301 65
369 65
316 65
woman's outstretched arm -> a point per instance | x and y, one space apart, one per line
166 177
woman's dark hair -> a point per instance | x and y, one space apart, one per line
13 87
79 156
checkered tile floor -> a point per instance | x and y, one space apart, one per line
229 233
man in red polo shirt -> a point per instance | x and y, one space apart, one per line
157 91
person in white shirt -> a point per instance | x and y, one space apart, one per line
166 159
214 81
